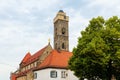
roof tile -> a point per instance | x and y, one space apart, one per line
27 56
56 59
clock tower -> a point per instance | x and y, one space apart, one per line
61 34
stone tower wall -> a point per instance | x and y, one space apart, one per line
61 31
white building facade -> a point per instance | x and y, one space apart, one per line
54 74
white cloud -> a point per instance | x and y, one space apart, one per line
104 3
106 8
23 5
6 70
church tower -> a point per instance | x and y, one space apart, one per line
61 33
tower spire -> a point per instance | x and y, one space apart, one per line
49 41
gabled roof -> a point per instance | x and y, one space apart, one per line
29 59
27 56
56 60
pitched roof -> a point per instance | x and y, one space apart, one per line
56 60
13 76
29 59
27 56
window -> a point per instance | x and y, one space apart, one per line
63 74
56 45
64 17
53 74
63 30
28 66
35 75
35 64
56 31
63 46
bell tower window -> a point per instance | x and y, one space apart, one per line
63 30
64 17
56 44
63 46
56 31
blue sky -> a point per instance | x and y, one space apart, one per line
26 25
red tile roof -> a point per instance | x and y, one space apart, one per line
27 56
56 60
13 76
29 59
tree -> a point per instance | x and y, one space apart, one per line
97 54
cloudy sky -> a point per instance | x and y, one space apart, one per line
26 25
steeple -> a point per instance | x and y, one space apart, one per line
61 32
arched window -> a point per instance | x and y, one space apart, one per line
56 31
63 46
63 30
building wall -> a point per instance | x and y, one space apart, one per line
45 53
44 74
30 75
21 78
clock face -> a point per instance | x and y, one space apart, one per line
63 30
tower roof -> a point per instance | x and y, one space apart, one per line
61 15
61 11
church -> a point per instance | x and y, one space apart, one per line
49 63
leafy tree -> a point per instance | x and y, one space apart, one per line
97 54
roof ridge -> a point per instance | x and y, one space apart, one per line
40 50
